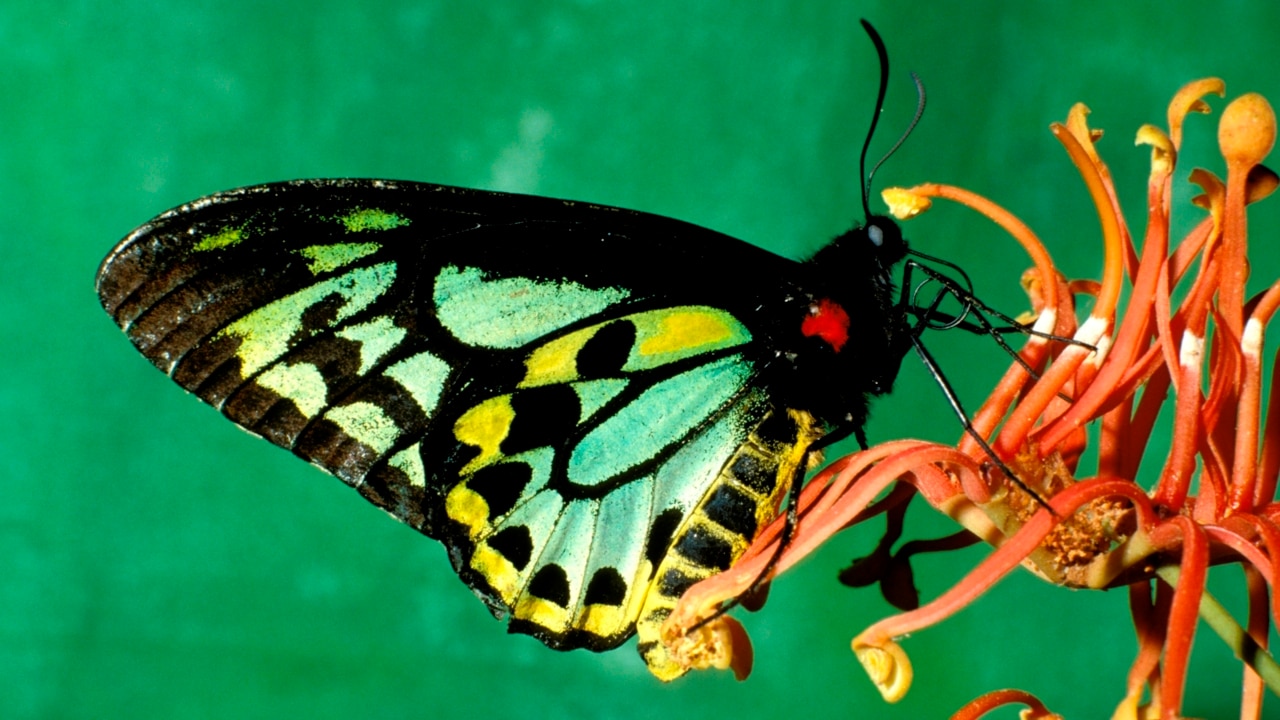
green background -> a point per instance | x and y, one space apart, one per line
156 562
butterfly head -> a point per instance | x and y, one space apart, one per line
881 242
861 260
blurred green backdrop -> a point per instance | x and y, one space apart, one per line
156 562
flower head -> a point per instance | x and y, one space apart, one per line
1188 335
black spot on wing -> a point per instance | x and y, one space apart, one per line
543 416
501 485
514 544
664 528
607 351
551 583
606 588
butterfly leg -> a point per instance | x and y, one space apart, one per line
925 321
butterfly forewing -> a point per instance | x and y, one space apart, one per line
568 396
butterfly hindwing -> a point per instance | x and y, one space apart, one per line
568 396
559 484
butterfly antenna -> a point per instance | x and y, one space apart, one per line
920 103
883 54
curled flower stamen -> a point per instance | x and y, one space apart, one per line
888 667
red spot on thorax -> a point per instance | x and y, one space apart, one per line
828 321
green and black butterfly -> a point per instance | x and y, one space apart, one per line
592 408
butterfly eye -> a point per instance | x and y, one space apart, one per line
876 235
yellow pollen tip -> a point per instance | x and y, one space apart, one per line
904 204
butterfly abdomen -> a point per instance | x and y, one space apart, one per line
744 498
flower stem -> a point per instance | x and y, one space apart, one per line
1225 626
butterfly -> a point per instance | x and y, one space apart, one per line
591 408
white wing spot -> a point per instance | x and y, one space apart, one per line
410 461
366 423
423 376
301 383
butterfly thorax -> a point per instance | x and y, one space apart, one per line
853 334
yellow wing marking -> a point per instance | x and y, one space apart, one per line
543 613
498 570
485 426
685 329
469 508
604 620
556 361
